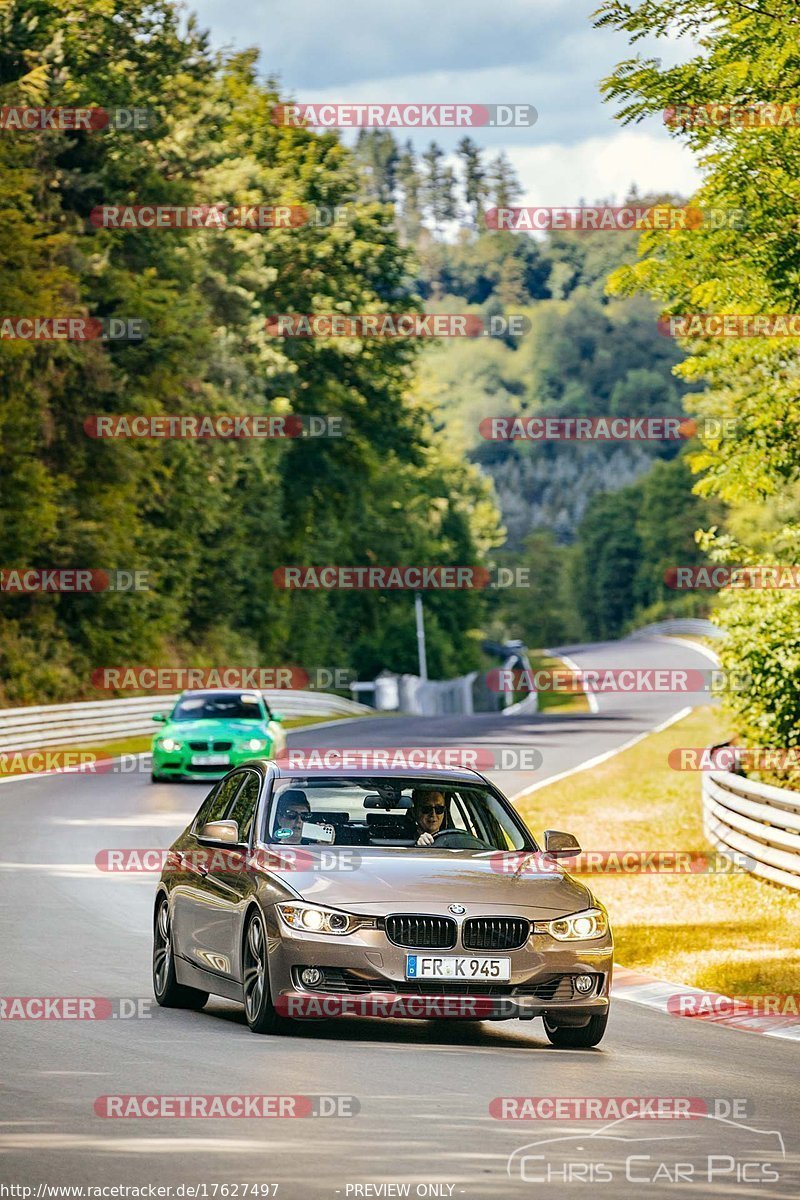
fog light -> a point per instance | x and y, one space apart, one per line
584 983
311 976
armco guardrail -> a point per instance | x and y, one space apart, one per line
99 721
757 820
686 626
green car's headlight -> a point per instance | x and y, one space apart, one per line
256 744
312 918
579 927
169 744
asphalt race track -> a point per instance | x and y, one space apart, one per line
423 1089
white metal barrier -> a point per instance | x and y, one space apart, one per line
688 626
99 721
756 820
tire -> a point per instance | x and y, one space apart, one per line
258 1007
570 1037
166 989
156 778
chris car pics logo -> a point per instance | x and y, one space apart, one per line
713 1151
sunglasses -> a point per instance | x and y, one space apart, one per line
433 808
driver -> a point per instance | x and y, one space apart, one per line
427 810
293 809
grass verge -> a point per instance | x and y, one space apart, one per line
562 702
730 933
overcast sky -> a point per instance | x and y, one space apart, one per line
540 52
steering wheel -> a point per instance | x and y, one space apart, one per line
463 840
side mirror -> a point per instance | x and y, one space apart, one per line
277 717
560 845
160 717
220 831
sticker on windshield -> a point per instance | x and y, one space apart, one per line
283 833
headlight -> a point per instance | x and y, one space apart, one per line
168 744
580 927
312 918
255 744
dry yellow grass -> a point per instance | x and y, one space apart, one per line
727 932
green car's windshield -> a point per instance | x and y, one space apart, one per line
228 706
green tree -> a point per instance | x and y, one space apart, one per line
438 187
504 186
377 156
744 258
607 564
474 178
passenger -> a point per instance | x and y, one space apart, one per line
293 809
427 810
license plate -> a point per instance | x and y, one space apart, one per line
210 760
456 966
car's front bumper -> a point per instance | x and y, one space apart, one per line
179 765
365 975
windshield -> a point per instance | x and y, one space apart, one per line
389 812
225 707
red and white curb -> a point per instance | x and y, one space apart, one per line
657 993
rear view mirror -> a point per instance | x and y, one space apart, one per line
220 831
560 845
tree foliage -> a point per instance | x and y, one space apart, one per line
209 520
740 54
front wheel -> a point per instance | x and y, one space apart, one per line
168 992
571 1037
258 1006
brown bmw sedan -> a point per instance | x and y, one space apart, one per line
378 893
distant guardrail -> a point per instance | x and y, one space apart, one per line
756 820
98 721
688 626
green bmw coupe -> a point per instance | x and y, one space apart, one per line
209 732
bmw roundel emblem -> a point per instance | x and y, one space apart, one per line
457 909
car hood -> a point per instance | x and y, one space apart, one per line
428 880
214 729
